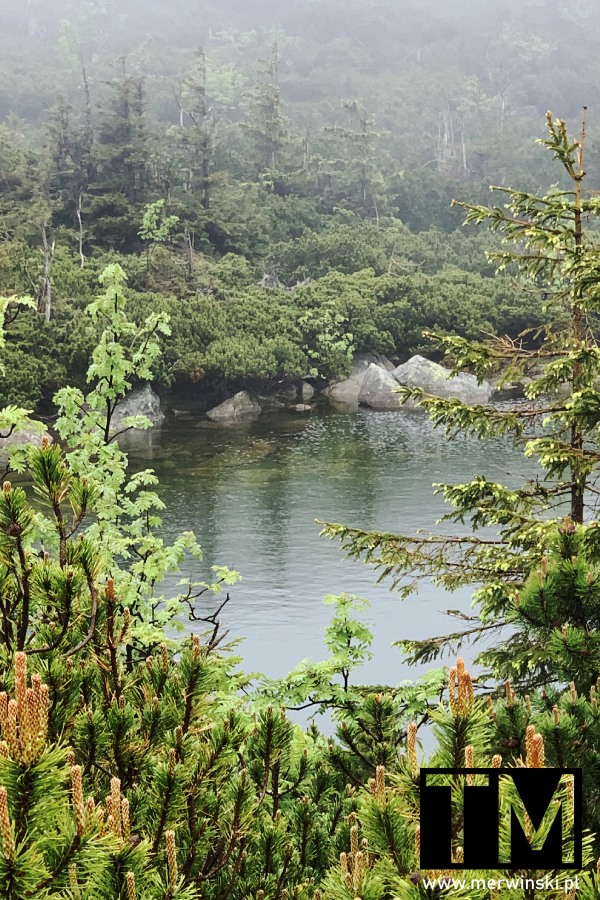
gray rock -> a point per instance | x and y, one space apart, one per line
308 391
346 392
142 401
435 379
509 391
378 388
301 408
241 407
381 360
31 435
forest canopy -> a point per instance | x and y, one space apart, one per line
300 156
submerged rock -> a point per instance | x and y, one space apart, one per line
435 379
301 408
269 402
241 407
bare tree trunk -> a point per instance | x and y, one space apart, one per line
446 156
179 102
89 125
190 252
81 256
45 298
392 261
306 149
206 159
375 206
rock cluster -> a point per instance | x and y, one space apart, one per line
374 381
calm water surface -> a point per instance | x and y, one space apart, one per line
252 493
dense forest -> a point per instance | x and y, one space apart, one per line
300 157
209 196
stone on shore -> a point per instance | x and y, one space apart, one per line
435 379
141 401
346 392
378 390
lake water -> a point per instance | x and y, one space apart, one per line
252 494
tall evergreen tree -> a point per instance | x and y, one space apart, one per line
267 124
554 252
120 185
198 138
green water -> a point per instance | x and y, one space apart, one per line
252 494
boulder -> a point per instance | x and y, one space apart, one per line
378 388
380 360
347 391
307 391
435 379
241 407
509 391
141 401
301 408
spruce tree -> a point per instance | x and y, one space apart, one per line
197 140
120 164
267 124
550 244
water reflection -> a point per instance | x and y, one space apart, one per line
252 495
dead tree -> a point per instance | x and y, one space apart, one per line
45 292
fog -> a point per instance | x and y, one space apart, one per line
458 73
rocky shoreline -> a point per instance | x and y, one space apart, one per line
373 382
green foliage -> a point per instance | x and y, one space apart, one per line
140 767
546 243
300 170
95 518
155 225
382 860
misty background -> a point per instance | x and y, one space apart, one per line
452 91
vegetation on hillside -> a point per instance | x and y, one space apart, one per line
234 159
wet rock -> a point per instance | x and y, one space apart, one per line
141 401
435 379
347 391
307 392
378 389
509 391
241 407
270 402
